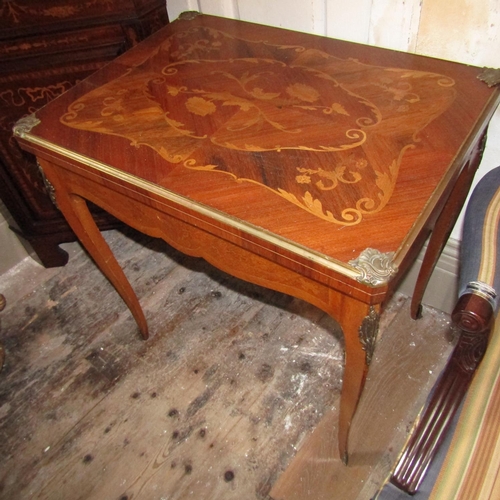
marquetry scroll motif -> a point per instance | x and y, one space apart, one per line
490 76
368 332
376 268
15 11
55 42
203 102
27 99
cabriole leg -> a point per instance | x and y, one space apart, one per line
360 324
76 212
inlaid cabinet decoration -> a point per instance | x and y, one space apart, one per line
45 48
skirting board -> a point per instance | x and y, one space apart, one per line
441 293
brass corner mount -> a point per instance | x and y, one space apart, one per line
375 268
24 125
188 15
490 76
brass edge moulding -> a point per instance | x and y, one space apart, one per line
348 270
490 76
375 268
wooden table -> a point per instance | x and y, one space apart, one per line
311 166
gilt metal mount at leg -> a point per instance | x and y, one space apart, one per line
48 186
368 332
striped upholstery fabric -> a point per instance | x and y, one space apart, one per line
481 240
471 470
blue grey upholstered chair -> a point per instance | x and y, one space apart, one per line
479 274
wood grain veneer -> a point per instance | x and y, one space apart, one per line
312 166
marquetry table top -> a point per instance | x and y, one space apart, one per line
325 147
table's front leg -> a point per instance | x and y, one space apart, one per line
75 210
359 322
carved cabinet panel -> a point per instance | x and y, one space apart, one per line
45 48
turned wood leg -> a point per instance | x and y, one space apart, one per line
359 322
443 228
78 216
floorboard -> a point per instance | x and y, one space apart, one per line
235 395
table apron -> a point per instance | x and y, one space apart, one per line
195 235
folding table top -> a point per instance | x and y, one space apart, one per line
324 146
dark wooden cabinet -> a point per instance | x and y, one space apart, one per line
45 48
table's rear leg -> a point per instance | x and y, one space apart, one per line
444 225
360 325
78 216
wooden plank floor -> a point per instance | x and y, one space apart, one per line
235 396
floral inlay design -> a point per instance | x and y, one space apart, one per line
15 10
197 99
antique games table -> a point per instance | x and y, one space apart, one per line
311 166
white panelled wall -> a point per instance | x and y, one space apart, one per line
466 31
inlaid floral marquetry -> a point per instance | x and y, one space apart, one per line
199 103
